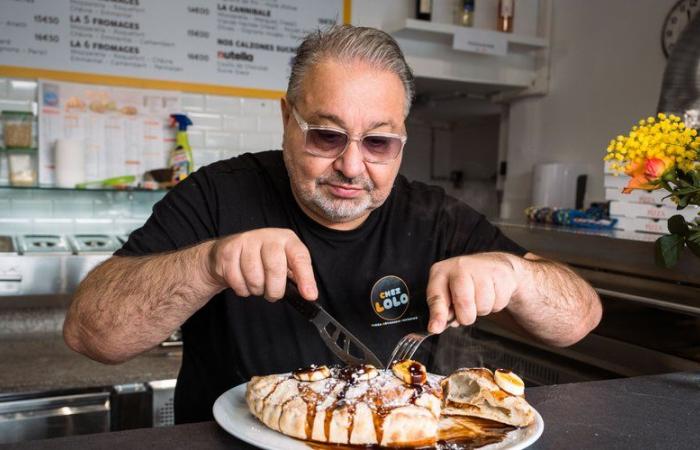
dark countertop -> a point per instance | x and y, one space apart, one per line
654 412
601 249
45 364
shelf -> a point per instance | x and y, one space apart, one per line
495 65
430 31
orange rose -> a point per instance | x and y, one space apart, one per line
645 175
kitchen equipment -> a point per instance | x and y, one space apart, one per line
559 185
49 265
93 243
22 166
131 406
7 245
70 162
174 340
44 244
163 402
336 337
27 417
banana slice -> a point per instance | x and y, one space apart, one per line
353 374
367 372
312 373
509 382
410 371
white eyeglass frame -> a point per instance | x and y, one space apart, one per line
305 127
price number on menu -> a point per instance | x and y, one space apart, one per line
50 20
198 33
198 10
46 37
198 57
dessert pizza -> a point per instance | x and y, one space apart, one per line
490 395
362 405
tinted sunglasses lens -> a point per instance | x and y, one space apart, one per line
381 148
325 142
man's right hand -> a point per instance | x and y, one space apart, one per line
258 262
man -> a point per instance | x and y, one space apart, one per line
383 255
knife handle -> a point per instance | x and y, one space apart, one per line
292 296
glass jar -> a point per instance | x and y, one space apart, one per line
465 13
17 129
22 166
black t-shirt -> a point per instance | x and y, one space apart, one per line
372 279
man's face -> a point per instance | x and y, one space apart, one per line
340 193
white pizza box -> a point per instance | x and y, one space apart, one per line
616 181
637 236
625 209
607 168
638 196
657 226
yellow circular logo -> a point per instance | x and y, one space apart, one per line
390 297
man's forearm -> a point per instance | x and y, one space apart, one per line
127 305
553 303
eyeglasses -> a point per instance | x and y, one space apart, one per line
330 142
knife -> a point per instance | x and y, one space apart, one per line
337 338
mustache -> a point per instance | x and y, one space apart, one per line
338 178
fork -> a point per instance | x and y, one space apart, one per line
408 344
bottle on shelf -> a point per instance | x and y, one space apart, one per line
465 13
424 9
506 11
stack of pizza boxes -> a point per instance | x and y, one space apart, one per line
641 215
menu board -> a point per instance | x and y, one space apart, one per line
195 45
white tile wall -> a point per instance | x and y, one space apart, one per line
193 102
241 123
204 121
222 139
224 127
228 105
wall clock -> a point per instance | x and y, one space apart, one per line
676 20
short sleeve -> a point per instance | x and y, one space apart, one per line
184 217
468 231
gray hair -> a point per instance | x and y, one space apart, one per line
348 43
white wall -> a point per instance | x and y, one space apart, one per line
606 72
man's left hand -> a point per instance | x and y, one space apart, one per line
470 286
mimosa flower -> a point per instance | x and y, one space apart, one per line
652 148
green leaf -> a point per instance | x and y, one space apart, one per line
694 247
688 190
678 225
694 236
668 249
685 184
696 177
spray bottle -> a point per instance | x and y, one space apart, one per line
181 159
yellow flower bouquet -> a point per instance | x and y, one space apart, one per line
662 153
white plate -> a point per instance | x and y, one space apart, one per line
231 413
